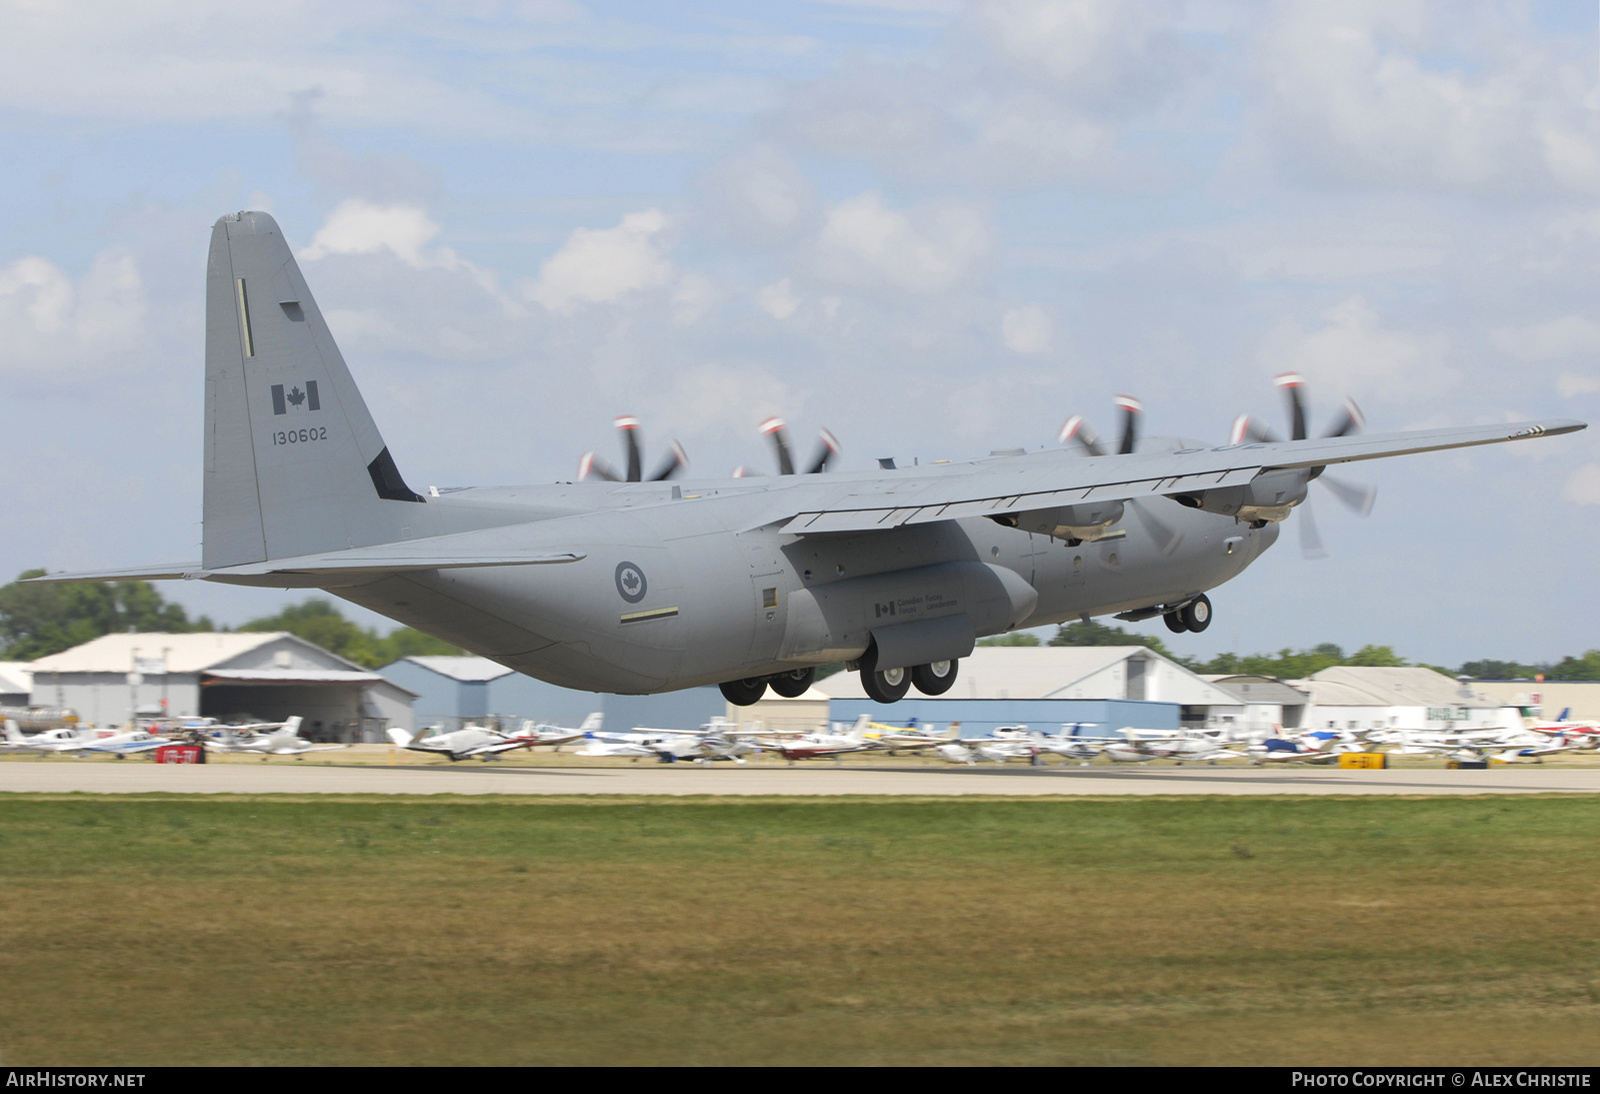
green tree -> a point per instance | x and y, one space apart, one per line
1099 634
1285 664
1498 670
1015 638
319 622
1377 657
1586 667
38 620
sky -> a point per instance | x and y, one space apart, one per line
935 228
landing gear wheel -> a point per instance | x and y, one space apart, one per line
889 686
1197 615
935 678
884 687
792 685
1174 622
743 693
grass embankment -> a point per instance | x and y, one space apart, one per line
1198 930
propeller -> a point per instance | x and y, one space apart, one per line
1076 429
777 429
591 466
1357 497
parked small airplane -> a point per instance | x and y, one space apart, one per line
51 740
281 739
462 744
122 745
533 734
811 746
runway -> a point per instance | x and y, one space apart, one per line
806 780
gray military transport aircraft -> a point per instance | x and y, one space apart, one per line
749 583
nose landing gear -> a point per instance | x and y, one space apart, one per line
1194 616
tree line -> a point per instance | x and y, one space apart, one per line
38 620
1297 664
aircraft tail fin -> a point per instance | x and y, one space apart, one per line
592 723
401 738
291 725
294 464
13 731
1565 713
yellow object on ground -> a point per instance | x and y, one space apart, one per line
1364 759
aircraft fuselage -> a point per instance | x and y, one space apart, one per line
686 585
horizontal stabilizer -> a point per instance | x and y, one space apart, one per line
464 550
388 559
171 572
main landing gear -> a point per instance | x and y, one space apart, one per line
891 685
790 685
1194 616
886 686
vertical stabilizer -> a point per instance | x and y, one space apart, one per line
294 464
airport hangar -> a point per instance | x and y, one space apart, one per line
1045 687
266 676
454 691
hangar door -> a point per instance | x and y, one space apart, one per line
328 702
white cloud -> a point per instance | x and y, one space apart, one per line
693 298
778 299
602 265
1583 488
758 197
1026 330
47 321
356 227
1552 340
41 289
1108 52
1573 383
715 398
930 249
1423 94
1353 354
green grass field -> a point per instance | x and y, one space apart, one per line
175 930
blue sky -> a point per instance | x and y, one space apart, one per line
936 228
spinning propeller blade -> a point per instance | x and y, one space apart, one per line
1131 410
774 428
629 425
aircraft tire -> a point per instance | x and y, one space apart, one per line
883 687
1174 622
744 693
936 678
886 687
792 685
1197 615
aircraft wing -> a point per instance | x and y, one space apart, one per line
990 488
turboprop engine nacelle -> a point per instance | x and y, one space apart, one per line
1269 496
1089 520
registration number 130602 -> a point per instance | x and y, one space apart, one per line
300 436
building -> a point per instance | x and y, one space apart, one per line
1046 687
453 691
1269 703
16 683
1548 698
1357 697
239 676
